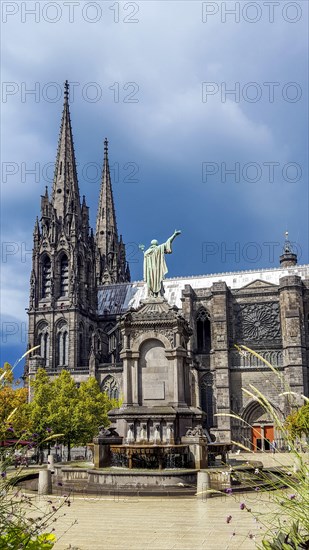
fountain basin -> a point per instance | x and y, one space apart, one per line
151 456
116 481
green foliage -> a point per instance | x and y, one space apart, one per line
17 529
76 413
16 538
62 407
58 406
39 406
7 376
297 423
91 410
293 540
14 413
24 519
286 525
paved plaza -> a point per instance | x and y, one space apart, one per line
145 523
165 523
162 523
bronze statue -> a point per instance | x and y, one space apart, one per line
155 267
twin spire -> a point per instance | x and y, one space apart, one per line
65 194
111 265
106 229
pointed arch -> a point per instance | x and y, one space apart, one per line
64 274
101 344
90 339
113 343
260 430
45 276
43 340
65 357
62 344
81 344
253 411
207 404
203 331
110 386
81 275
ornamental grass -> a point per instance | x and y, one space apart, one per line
282 509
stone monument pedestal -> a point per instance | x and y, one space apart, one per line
102 445
198 449
157 404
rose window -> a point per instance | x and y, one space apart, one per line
259 322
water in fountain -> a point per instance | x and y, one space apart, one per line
130 435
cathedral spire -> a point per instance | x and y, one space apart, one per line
65 195
36 231
111 264
288 257
106 230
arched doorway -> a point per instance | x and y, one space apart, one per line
260 434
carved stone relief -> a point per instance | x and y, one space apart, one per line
258 322
247 360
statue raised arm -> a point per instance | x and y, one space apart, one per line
175 234
155 267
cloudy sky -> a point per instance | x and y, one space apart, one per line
205 108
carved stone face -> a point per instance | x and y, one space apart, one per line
154 242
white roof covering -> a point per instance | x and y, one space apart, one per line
118 298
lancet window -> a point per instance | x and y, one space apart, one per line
207 397
64 276
46 277
43 342
110 387
203 331
63 346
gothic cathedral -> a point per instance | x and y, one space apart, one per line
80 290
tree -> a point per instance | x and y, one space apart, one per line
40 405
14 414
91 410
297 423
62 418
17 529
58 406
40 408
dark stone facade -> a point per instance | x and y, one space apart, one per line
80 293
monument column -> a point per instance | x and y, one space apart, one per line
127 381
293 333
135 380
195 390
180 361
220 358
178 358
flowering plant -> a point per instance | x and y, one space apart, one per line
286 522
23 522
